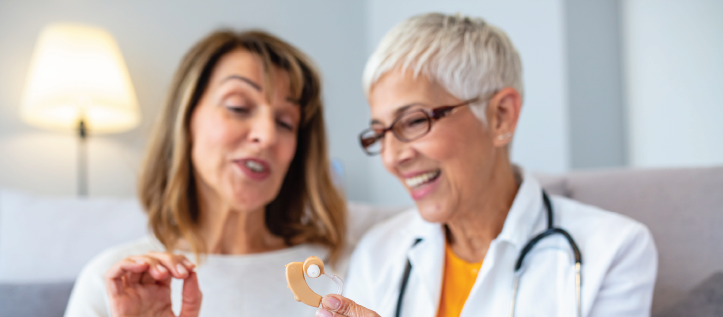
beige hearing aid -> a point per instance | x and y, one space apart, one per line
313 267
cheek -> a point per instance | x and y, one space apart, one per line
287 150
442 148
211 137
215 131
461 154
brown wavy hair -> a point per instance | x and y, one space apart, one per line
308 208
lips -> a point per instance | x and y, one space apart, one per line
421 179
255 169
421 184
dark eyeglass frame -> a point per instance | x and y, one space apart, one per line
431 115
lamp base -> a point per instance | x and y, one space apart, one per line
82 159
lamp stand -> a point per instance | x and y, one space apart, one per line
82 159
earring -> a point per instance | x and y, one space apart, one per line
504 136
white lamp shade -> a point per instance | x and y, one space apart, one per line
77 72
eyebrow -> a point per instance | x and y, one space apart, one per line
397 112
244 79
256 86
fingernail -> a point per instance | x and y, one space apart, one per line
331 302
323 313
181 269
161 268
188 263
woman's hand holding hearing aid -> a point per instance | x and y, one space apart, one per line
141 285
339 306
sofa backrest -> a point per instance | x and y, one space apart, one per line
45 239
683 208
50 238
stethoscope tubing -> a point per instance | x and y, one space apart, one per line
551 230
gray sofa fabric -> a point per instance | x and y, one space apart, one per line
706 300
41 300
683 208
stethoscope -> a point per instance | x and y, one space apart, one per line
551 230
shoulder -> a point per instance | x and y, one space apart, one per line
398 229
594 223
611 243
620 260
380 257
385 246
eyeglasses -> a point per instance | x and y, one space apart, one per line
407 127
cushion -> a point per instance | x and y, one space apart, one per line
47 238
705 300
683 208
38 300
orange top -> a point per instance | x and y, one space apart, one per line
459 277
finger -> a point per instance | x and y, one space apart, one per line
147 279
325 313
342 306
176 258
134 278
192 297
157 270
174 263
114 277
124 266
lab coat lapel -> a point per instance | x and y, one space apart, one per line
427 259
492 292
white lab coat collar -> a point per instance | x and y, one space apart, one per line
427 257
525 212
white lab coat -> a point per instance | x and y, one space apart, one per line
619 264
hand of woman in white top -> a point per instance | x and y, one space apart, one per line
141 285
338 306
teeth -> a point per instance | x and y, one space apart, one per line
420 179
254 166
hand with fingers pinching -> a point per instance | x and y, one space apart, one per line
338 306
141 285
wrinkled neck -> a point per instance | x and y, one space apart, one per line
480 221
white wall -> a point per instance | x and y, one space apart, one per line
597 112
537 29
153 36
673 53
672 77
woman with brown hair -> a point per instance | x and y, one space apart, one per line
236 178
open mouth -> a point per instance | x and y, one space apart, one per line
255 169
255 166
422 179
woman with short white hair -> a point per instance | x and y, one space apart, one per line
445 94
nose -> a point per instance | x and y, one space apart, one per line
263 130
395 153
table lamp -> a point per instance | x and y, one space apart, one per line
79 81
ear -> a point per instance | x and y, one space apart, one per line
503 111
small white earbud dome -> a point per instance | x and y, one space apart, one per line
313 271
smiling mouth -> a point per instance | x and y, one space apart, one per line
422 179
255 166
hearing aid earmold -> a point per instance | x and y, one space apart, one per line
313 267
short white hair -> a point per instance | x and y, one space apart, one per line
465 55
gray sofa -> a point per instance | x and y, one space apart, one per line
682 207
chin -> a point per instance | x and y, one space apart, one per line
249 200
433 211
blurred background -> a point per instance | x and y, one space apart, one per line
609 84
